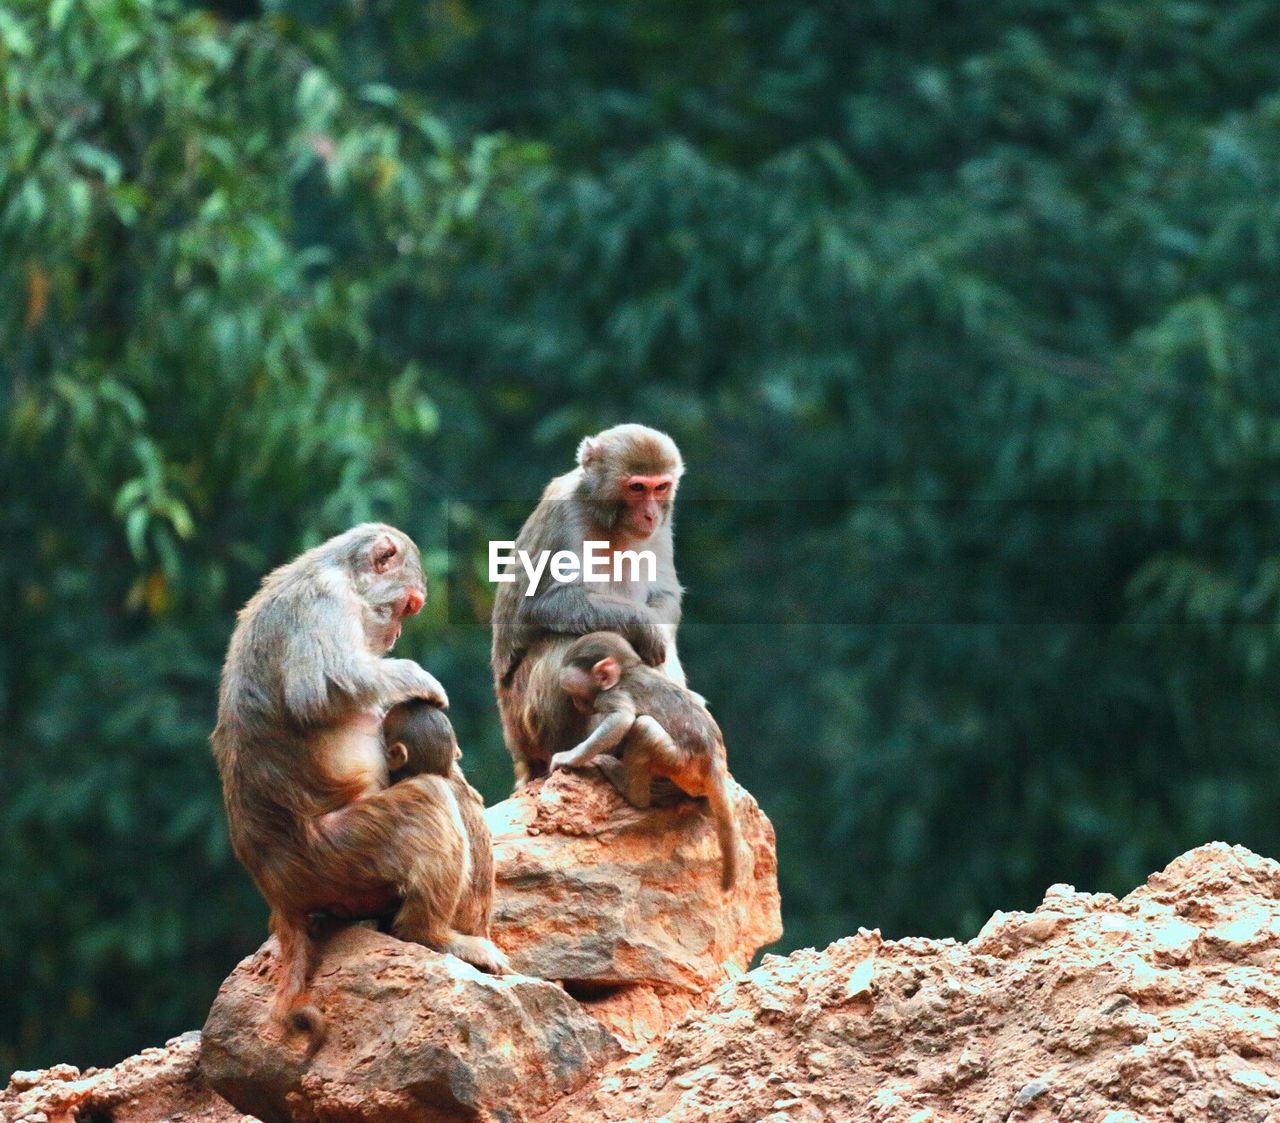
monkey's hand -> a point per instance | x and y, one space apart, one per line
606 736
647 637
571 758
404 680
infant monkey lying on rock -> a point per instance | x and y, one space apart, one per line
664 730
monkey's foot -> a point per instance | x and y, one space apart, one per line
665 793
479 952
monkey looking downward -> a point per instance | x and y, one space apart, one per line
299 749
663 728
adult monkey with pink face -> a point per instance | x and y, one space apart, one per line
623 493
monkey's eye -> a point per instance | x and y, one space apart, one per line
662 488
636 488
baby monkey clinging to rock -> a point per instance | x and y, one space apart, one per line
663 727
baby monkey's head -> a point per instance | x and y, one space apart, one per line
595 662
419 738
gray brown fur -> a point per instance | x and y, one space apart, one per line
298 748
661 727
530 634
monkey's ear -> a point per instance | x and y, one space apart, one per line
383 552
607 672
397 756
588 451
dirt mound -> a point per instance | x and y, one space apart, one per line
1162 1006
156 1086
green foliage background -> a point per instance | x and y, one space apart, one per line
964 316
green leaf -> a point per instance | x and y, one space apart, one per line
13 35
59 10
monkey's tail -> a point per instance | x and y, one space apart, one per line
290 1007
726 826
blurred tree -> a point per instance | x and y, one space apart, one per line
963 318
198 225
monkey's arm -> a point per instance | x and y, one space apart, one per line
572 610
664 602
664 599
327 671
606 736
403 679
315 692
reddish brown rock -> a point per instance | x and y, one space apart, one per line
156 1086
592 891
625 906
1162 1006
413 1035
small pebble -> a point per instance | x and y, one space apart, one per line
1032 1090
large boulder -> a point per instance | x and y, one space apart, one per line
622 907
594 892
625 906
412 1035
1162 1006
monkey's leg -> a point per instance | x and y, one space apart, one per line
538 717
648 747
409 836
665 793
479 951
511 705
476 904
432 864
435 891
297 953
611 768
520 744
662 792
636 776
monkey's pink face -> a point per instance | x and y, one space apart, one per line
647 500
410 604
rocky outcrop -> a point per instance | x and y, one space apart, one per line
412 1035
1162 1006
624 906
